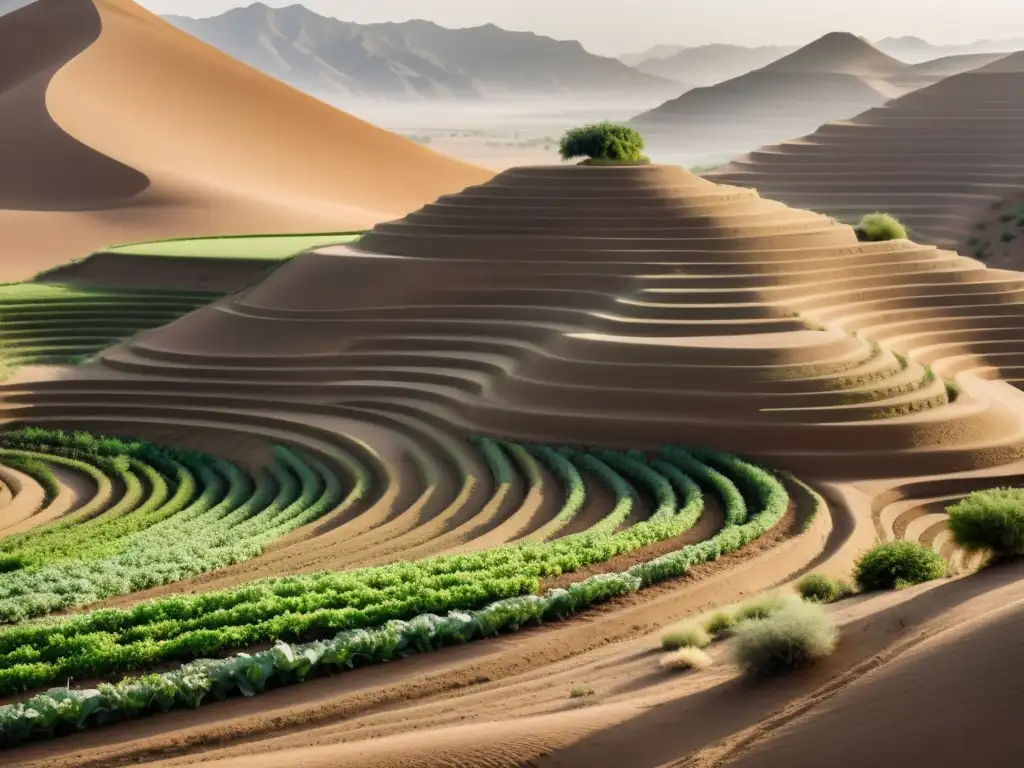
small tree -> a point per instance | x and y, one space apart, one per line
875 227
603 143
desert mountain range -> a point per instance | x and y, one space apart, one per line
413 59
833 77
129 129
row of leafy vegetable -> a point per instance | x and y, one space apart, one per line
180 514
399 626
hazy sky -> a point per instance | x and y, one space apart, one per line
612 27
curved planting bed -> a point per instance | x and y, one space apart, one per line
341 619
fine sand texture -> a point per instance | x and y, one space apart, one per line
119 127
944 159
628 307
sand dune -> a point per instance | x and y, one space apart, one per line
943 159
621 306
119 127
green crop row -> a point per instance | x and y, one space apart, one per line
110 641
38 471
47 714
221 519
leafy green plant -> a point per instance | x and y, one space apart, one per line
603 143
991 520
793 637
874 227
898 564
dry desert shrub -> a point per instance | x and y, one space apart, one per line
793 637
688 635
687 658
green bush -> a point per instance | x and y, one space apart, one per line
817 588
685 636
898 564
990 520
603 143
793 637
880 226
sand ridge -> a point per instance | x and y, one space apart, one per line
182 140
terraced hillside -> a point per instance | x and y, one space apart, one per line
942 159
639 309
58 323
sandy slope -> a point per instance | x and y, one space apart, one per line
119 127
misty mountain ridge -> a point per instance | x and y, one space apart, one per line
413 59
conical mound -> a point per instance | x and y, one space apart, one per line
622 306
939 158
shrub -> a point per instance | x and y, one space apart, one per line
579 692
603 142
720 623
898 564
685 636
1008 237
880 226
687 658
990 520
765 605
793 637
817 588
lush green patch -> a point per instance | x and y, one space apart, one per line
898 564
323 604
603 143
991 520
792 637
875 227
181 513
269 247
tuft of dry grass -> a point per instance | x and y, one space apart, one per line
686 658
796 635
686 635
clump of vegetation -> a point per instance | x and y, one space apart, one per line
875 227
793 637
685 636
952 390
1008 237
687 658
990 520
603 143
763 606
818 588
720 623
580 692
898 564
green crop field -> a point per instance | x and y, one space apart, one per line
162 515
58 323
269 247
